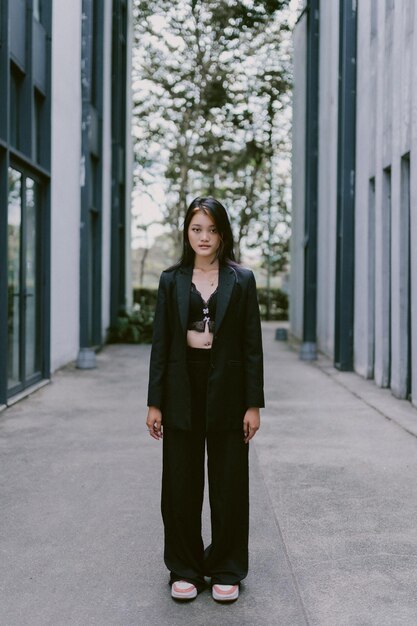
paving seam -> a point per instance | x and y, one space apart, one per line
325 369
281 536
357 395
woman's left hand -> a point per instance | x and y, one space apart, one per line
251 423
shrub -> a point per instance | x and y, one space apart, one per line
278 304
136 327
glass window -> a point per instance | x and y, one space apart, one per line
16 81
31 293
95 53
14 228
37 126
37 10
94 182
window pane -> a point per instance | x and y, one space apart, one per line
14 222
15 105
32 283
37 125
37 10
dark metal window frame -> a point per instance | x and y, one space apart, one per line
118 125
406 223
24 160
309 345
345 242
28 173
91 199
387 262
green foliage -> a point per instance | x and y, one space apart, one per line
212 104
145 297
278 304
137 326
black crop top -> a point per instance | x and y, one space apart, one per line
201 312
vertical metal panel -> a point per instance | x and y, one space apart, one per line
118 247
3 275
45 158
371 279
4 110
17 43
39 55
344 312
91 189
408 316
385 225
4 72
96 211
401 323
308 347
86 71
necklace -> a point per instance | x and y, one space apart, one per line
210 280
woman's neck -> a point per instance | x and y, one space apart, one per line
205 265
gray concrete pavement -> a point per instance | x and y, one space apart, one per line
333 503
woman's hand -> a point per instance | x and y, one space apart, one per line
154 422
251 423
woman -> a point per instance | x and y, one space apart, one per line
206 388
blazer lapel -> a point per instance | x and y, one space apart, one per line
183 280
227 280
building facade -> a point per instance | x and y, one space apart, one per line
65 163
354 245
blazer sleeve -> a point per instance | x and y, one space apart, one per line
254 377
160 345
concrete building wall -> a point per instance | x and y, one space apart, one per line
65 181
403 73
413 216
385 280
327 175
298 188
64 151
385 193
66 174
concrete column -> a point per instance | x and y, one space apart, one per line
382 110
364 329
402 50
298 179
327 175
65 181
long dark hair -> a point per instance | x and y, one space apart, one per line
214 209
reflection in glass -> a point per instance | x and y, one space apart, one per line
37 126
37 10
15 105
31 291
14 223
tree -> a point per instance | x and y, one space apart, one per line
211 88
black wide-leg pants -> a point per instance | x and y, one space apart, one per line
225 560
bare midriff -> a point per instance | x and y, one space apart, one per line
196 339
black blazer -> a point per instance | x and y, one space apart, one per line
235 380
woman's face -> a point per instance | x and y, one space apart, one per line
203 235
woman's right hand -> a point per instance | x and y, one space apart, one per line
154 422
